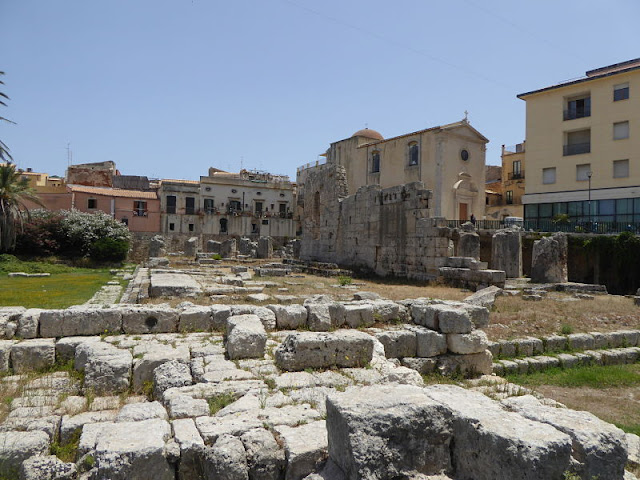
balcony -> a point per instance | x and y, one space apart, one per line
576 149
572 114
516 175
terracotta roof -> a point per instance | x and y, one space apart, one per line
113 192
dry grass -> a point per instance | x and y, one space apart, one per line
513 317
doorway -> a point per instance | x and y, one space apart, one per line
463 207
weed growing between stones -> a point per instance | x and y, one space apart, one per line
67 451
566 329
218 402
344 280
147 390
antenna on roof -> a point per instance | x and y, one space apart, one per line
69 154
241 162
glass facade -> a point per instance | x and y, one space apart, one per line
623 210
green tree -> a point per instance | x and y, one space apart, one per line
5 156
14 191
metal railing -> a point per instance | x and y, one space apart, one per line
549 225
576 148
572 114
516 175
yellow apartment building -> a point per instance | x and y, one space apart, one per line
583 147
511 188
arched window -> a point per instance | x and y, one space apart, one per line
414 153
375 161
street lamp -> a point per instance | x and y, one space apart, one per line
589 175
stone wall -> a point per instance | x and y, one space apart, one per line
385 231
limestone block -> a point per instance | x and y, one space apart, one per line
157 247
504 444
580 341
319 316
429 343
191 247
172 284
466 343
28 323
385 431
229 248
170 374
16 447
246 337
151 357
35 354
265 458
358 315
289 316
423 366
555 343
82 320
568 361
599 448
220 314
133 451
149 319
184 406
549 259
494 348
196 319
305 448
5 353
485 297
265 247
107 368
213 246
453 320
469 245
343 348
425 315
136 412
467 365
506 252
267 317
47 467
71 424
388 311
529 346
398 343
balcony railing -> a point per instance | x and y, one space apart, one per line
572 114
576 148
516 175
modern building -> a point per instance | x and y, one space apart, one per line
511 186
248 203
448 159
583 148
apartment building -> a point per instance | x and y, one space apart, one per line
583 148
511 186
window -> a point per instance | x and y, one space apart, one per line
139 208
577 142
620 130
125 220
258 209
208 205
172 226
92 203
583 172
375 161
509 197
549 175
190 206
578 107
191 227
620 168
234 206
414 153
283 209
620 92
171 204
517 169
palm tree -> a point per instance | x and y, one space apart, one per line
5 156
14 191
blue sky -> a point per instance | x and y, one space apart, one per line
168 88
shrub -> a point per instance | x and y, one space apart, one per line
108 249
343 280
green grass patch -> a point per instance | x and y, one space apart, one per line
218 402
635 429
68 451
60 290
593 377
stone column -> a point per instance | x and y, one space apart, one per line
265 247
549 259
157 247
506 252
191 247
469 245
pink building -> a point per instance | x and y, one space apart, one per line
140 210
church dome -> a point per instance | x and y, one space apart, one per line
368 133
